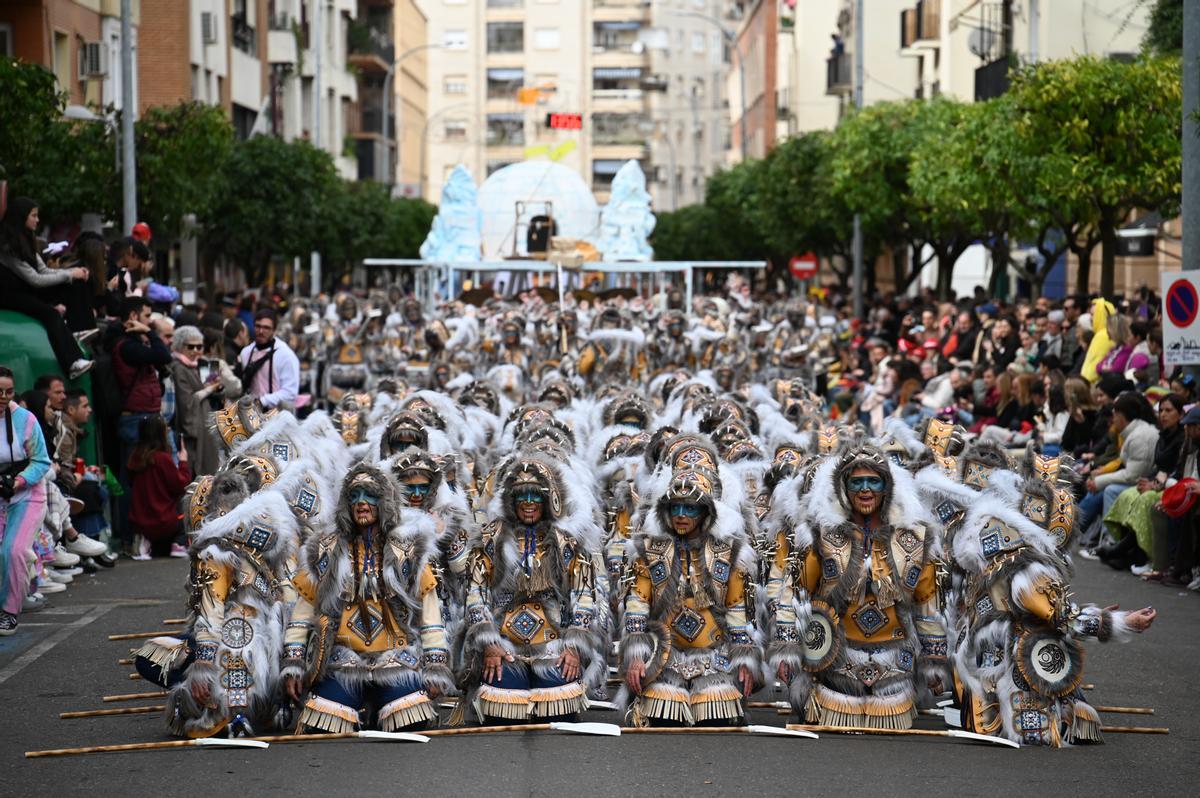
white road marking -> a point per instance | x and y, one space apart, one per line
33 654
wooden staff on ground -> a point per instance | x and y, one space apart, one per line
99 713
133 696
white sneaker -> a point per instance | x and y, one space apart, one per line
1194 584
81 367
46 587
64 558
61 577
142 547
76 571
1088 554
1138 570
85 546
34 601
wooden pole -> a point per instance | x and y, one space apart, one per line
135 677
103 749
1135 730
99 713
1127 710
125 661
142 635
174 621
487 729
133 696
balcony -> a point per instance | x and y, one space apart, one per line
506 130
366 121
620 129
837 75
505 3
991 80
369 49
618 10
243 35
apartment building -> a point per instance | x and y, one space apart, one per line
411 103
226 64
623 79
78 40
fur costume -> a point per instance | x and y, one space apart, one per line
533 593
873 629
686 609
368 614
238 601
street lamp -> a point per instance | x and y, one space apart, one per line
731 41
387 95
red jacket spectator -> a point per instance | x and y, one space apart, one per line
158 485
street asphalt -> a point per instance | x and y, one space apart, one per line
62 660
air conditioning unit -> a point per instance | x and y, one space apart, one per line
93 61
208 27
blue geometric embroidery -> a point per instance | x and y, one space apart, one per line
720 571
367 628
408 659
658 572
259 538
984 606
1031 720
306 501
946 510
905 660
525 624
870 620
739 638
991 545
688 624
567 555
829 568
323 564
912 576
281 451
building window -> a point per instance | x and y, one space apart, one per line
506 37
455 130
62 59
619 36
454 40
243 121
505 3
241 28
6 40
496 166
545 38
456 84
504 83
613 79
505 130
603 172
698 43
617 128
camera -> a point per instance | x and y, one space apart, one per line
8 485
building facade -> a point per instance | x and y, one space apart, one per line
78 40
644 77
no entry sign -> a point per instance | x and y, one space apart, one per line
1181 305
803 267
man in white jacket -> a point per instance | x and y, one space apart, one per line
1133 423
270 369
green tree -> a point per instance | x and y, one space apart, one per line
693 232
67 166
1164 36
1110 134
269 200
181 151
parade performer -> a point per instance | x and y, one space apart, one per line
223 674
367 635
687 652
532 644
866 580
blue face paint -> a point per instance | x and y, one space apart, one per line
361 495
528 497
419 489
865 484
686 510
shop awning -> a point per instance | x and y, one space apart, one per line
506 74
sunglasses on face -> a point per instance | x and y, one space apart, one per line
529 498
361 495
865 484
686 510
419 489
197 347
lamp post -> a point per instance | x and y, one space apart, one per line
730 40
387 96
128 109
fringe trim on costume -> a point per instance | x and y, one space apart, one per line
566 699
330 716
665 702
1086 726
165 652
874 712
405 711
718 701
497 702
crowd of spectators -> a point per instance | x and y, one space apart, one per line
89 475
1081 376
